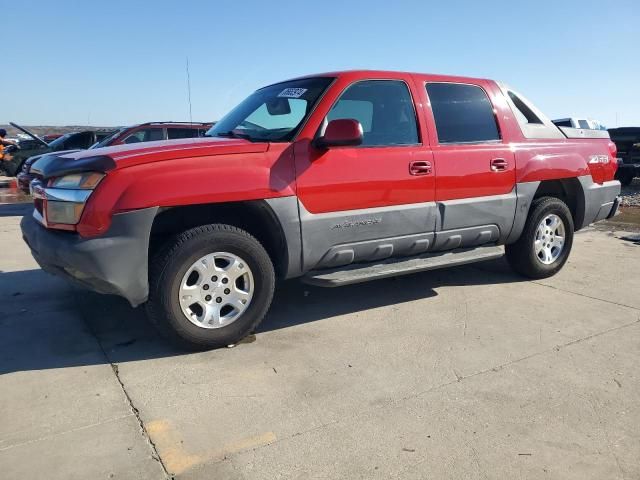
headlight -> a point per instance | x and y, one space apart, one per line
64 212
83 181
64 198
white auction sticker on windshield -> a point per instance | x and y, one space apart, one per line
292 92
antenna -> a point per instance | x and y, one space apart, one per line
189 91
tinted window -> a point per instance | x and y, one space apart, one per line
102 135
108 140
182 133
583 124
145 135
524 114
79 141
57 144
563 123
384 109
463 113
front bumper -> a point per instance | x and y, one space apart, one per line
114 263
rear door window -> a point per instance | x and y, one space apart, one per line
463 113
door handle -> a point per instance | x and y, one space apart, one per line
498 165
420 168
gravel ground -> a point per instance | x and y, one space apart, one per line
631 194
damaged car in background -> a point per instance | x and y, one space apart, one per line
145 132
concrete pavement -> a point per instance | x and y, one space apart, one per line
465 373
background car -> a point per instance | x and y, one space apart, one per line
145 132
37 146
584 123
627 139
154 131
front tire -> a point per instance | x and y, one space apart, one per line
210 287
545 243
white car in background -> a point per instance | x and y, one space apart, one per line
582 123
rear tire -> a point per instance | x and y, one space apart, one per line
189 264
545 243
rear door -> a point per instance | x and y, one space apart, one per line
475 174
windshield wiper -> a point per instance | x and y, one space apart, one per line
233 134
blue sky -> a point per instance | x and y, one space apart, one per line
114 62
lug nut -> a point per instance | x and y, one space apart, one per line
214 279
219 300
225 280
227 291
205 287
208 298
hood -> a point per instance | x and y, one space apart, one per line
146 152
31 134
123 156
30 160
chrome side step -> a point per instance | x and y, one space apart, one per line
363 272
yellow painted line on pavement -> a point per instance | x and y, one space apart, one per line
177 460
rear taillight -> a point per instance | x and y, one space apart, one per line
613 156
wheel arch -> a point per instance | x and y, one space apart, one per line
257 217
570 190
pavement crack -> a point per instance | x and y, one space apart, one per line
459 378
114 366
557 348
156 455
585 295
57 434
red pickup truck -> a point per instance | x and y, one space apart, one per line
337 178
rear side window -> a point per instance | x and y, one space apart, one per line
146 135
384 108
524 114
173 133
463 113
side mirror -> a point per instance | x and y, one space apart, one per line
340 133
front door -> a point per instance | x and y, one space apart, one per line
375 200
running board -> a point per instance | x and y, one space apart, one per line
363 272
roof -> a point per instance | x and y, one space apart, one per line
363 74
188 124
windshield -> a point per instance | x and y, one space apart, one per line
106 141
274 113
59 141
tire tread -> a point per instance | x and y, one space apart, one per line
158 296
